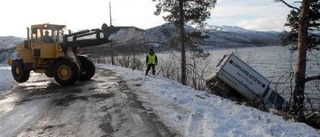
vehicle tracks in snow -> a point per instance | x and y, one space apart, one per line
103 106
196 124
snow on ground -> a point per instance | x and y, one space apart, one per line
6 80
196 113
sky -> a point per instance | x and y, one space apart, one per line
16 15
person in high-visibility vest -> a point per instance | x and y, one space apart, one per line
151 61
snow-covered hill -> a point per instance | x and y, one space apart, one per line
7 42
162 36
232 36
219 36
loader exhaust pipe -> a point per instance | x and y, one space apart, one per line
28 33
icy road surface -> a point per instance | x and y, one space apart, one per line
104 106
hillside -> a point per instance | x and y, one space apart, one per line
231 36
7 42
219 36
164 37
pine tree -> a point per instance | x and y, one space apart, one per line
304 23
313 27
180 12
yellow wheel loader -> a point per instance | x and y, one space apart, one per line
47 50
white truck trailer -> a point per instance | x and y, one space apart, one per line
236 80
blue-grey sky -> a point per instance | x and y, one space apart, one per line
16 15
251 14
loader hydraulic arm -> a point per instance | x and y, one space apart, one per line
83 38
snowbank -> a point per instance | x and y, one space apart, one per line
196 113
6 80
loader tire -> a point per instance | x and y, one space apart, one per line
48 73
18 71
87 70
66 72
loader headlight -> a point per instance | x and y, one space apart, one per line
59 47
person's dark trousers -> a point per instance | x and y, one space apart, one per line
153 69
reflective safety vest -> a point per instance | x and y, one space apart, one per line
151 59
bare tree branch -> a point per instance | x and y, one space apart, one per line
315 25
287 4
317 77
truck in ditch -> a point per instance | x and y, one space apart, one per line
236 80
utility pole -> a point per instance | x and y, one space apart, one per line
111 44
110 17
183 50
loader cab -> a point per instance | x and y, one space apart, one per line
46 33
45 40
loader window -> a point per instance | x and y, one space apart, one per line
34 31
57 37
36 34
47 36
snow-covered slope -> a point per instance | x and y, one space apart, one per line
219 36
162 36
127 34
6 80
232 36
194 113
7 42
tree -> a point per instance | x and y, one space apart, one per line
313 28
303 21
181 12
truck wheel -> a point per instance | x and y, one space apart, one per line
18 71
87 70
66 72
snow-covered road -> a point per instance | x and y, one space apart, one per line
104 106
